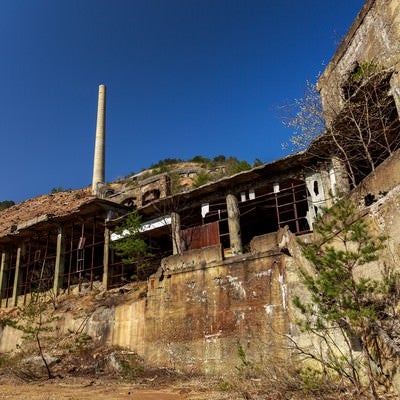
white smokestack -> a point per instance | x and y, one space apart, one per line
99 147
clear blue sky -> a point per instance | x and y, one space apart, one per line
184 77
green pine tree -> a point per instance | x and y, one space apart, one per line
359 310
132 247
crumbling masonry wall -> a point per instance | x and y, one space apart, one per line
373 37
195 319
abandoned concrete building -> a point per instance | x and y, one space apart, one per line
219 272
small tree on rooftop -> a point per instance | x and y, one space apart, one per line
131 247
344 310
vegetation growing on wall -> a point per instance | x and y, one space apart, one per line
354 317
201 179
363 133
366 131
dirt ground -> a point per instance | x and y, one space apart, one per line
104 388
59 392
89 390
114 389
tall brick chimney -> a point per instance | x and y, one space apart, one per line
99 147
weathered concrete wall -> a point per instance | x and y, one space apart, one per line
10 338
374 36
139 191
384 179
263 243
129 327
381 191
196 319
192 317
207 256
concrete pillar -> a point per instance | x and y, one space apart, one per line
339 177
316 200
106 253
99 149
59 267
176 233
14 298
326 183
234 224
2 274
